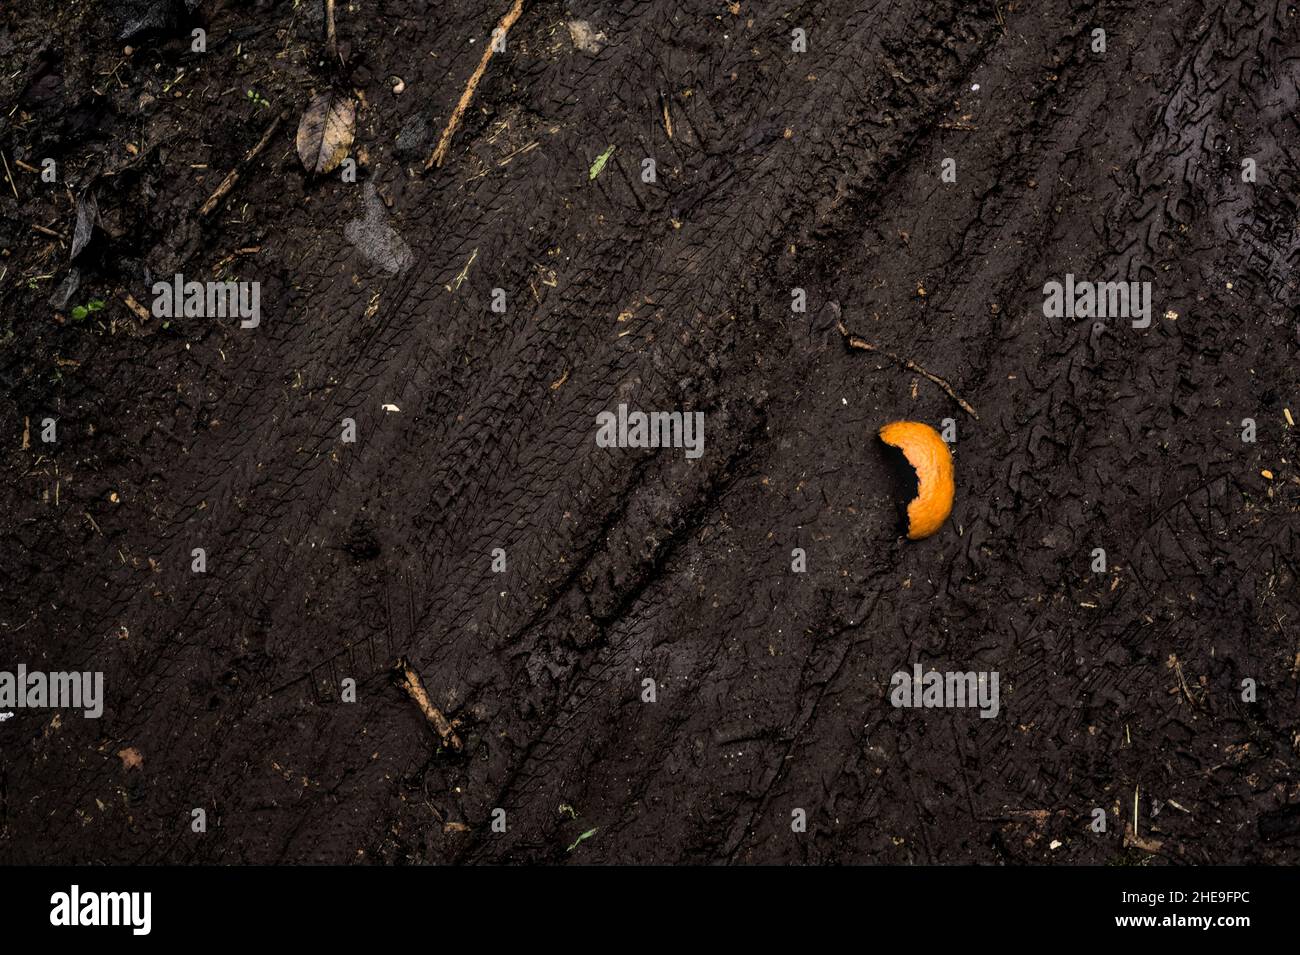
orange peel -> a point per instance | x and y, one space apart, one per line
929 456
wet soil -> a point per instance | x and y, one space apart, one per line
329 561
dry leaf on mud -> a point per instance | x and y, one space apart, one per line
325 131
131 758
87 213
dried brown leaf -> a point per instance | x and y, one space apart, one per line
325 131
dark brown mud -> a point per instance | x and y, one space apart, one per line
775 170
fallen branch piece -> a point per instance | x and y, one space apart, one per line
233 177
498 36
331 35
409 681
856 341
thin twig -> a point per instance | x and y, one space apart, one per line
1182 680
409 681
857 341
331 38
247 250
233 176
10 176
518 152
499 34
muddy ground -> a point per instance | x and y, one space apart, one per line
775 170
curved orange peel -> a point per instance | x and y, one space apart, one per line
929 456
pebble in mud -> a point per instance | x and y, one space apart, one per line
413 140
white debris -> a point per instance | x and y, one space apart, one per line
585 37
391 408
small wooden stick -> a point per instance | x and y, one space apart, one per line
10 176
141 312
856 341
444 143
409 681
331 37
233 176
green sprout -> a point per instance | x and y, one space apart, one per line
586 835
81 312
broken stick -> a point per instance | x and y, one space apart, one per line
141 312
409 681
498 36
331 36
233 176
857 341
